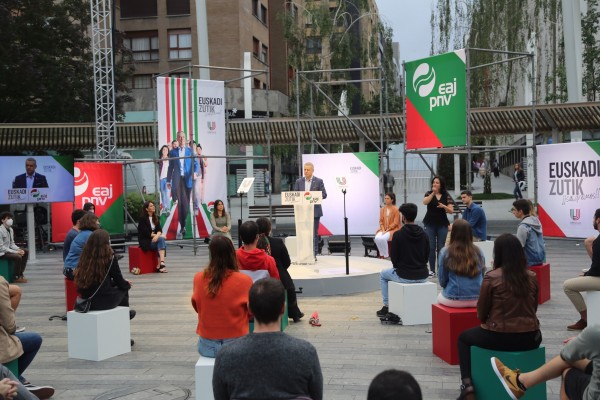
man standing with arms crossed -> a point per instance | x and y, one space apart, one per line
312 183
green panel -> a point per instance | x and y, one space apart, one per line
13 366
436 86
66 162
112 219
7 270
371 160
595 146
488 386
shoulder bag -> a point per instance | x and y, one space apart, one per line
83 305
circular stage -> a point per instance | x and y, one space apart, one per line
327 277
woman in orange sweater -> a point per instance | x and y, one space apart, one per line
389 223
220 298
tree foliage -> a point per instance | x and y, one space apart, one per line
46 72
590 24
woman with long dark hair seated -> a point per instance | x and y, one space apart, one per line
506 308
98 269
220 297
461 267
150 235
275 247
220 220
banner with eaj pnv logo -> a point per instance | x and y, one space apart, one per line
436 104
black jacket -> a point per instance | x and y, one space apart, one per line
410 252
145 232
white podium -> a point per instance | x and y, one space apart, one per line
304 217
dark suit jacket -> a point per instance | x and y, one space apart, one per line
316 185
282 258
174 169
145 231
39 181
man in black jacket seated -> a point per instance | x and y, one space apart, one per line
410 254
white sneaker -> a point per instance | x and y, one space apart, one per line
42 392
20 329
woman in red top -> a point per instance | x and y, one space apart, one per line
220 298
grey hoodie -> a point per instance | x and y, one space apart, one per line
531 237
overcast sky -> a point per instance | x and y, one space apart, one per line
410 21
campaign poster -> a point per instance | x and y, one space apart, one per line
436 101
191 139
36 179
568 177
358 175
99 183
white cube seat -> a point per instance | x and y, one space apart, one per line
98 335
412 301
204 373
592 301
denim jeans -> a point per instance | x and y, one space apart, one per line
517 191
210 347
164 195
160 244
437 239
389 274
31 343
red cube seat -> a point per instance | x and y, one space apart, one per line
146 261
447 323
542 273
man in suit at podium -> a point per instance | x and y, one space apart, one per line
312 183
30 179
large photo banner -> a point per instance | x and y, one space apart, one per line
358 173
568 188
36 179
436 102
191 123
98 183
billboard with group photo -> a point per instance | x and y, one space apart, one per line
36 179
568 188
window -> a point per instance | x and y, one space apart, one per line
257 84
264 54
180 44
178 7
255 46
313 45
263 14
138 8
142 45
142 82
180 75
255 8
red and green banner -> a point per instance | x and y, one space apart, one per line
97 183
436 102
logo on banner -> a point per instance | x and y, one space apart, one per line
307 196
355 170
424 80
211 206
575 214
212 126
341 180
81 181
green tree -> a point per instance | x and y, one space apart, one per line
46 72
590 24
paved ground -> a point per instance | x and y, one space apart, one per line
352 345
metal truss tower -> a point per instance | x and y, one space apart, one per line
104 77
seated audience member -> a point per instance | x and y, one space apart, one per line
12 389
251 258
87 224
220 298
506 308
529 233
73 232
578 363
150 236
267 364
9 250
18 345
588 282
474 215
393 385
220 220
98 272
389 223
410 253
275 247
461 267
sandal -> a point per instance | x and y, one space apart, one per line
162 268
314 319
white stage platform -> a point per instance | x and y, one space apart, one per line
327 277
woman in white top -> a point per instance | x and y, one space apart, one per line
389 222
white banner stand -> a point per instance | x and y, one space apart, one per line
243 189
304 217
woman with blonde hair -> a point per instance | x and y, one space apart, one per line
98 275
220 297
461 268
